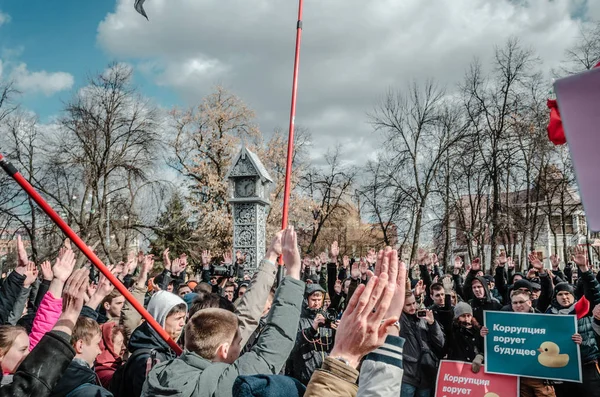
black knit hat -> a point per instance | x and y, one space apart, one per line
564 286
523 283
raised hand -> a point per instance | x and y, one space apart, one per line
429 317
419 288
535 262
291 254
30 274
555 261
511 264
345 262
74 293
64 265
580 259
166 260
476 264
47 271
206 257
458 264
334 252
355 271
423 257
227 258
22 261
240 257
363 329
371 257
183 258
177 266
434 259
363 266
502 259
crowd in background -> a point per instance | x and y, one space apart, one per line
333 326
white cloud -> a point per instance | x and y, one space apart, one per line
352 51
45 82
4 18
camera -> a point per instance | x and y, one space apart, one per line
330 317
422 313
223 271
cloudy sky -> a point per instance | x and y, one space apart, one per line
352 51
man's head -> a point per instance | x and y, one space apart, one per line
85 339
438 294
520 301
214 335
314 296
210 300
242 290
113 304
214 280
169 311
410 304
463 314
478 289
564 294
183 290
203 287
229 291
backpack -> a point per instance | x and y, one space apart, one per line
117 383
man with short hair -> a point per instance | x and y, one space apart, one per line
229 291
442 305
112 306
80 378
211 362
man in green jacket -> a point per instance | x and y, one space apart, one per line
211 362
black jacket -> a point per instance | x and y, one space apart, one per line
144 337
463 344
311 347
483 304
42 368
419 335
443 314
11 289
81 377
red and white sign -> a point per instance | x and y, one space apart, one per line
456 379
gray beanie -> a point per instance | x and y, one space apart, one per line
462 308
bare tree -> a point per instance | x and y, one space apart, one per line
330 188
419 129
490 103
585 54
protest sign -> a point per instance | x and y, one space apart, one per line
532 345
456 378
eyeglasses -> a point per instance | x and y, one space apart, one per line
519 302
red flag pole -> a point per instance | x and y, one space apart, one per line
290 150
13 173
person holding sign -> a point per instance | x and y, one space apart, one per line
564 303
530 387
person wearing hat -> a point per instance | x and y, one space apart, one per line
313 341
463 339
564 302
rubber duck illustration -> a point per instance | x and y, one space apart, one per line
490 394
550 357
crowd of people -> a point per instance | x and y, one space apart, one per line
333 326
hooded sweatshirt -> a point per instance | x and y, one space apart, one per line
479 305
144 337
109 360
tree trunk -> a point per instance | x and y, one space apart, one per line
417 233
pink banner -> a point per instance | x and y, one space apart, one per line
456 379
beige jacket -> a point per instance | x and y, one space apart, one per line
333 379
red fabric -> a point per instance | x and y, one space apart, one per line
556 132
108 361
582 307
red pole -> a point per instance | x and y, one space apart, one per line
290 150
12 172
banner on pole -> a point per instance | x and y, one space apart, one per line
455 378
532 345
